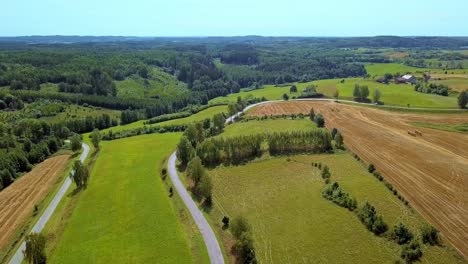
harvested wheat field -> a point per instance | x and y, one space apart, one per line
18 200
429 167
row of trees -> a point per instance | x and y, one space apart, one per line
432 88
314 141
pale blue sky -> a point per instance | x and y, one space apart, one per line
232 18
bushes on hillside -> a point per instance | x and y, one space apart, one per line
411 252
401 234
430 235
369 217
243 247
335 193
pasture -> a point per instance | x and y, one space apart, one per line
251 127
125 214
379 69
292 222
429 169
392 94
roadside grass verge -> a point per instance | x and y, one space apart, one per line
125 214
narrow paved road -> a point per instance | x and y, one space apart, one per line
18 257
212 245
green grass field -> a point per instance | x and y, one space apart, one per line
161 84
267 126
281 198
125 214
392 94
379 69
207 113
455 83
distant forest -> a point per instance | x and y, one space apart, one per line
210 67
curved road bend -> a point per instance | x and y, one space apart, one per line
18 257
214 251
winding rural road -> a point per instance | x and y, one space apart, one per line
212 245
18 257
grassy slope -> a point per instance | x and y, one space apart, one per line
379 69
293 223
207 113
267 126
392 94
125 214
160 83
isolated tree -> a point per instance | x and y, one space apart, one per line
185 150
312 114
293 89
225 221
463 99
430 235
357 91
218 123
377 95
388 77
195 170
81 174
319 120
205 186
325 172
75 143
34 252
364 92
339 140
411 252
285 97
95 138
401 234
232 109
239 225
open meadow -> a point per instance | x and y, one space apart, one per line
125 214
429 169
292 222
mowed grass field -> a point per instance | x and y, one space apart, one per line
292 222
379 69
392 94
125 214
267 126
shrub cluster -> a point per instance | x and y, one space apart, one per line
243 247
335 193
369 217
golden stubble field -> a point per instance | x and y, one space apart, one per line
18 200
